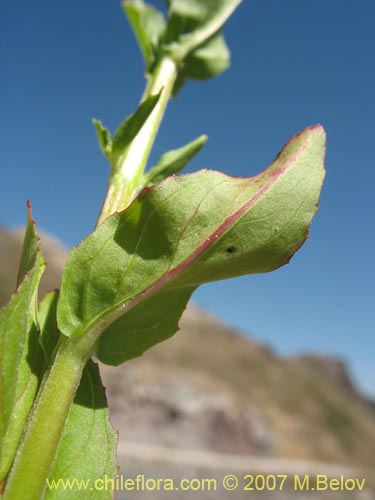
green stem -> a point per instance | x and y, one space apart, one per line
36 454
125 177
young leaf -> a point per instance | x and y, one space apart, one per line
20 354
30 247
148 25
186 231
174 161
130 127
49 333
207 61
104 138
87 449
193 38
192 22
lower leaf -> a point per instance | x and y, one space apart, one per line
152 321
20 353
86 458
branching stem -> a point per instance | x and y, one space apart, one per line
123 183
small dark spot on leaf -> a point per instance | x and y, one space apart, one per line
231 249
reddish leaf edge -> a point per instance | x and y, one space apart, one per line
170 275
38 254
121 309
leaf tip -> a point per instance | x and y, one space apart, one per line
317 130
30 212
311 130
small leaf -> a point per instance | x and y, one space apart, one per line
148 25
20 353
29 248
87 449
174 161
207 61
192 22
186 231
104 138
130 127
49 333
193 38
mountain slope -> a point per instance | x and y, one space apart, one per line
209 387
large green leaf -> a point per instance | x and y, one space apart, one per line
86 459
183 232
20 354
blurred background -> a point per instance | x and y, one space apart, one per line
278 366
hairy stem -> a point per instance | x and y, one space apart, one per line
124 179
37 452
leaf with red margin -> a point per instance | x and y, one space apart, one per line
132 278
20 354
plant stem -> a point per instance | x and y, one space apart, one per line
125 176
36 454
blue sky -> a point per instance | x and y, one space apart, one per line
294 63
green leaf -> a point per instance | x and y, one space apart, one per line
174 161
49 333
209 60
88 444
20 353
151 321
130 127
87 449
104 138
148 25
186 231
192 22
30 247
193 38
